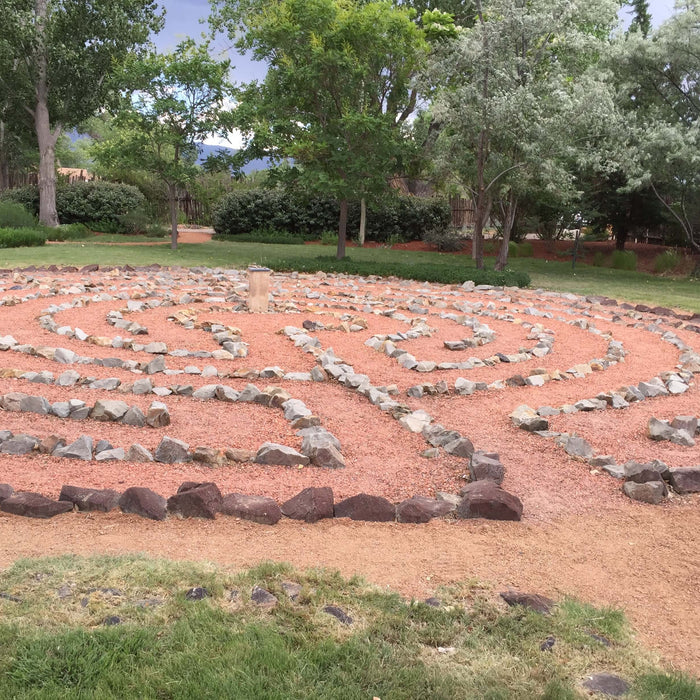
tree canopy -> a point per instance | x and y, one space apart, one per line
56 58
339 88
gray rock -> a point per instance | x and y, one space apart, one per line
526 418
138 453
109 410
19 445
652 492
249 394
158 415
659 429
35 404
274 454
486 465
206 392
172 451
461 447
327 456
156 348
683 438
157 364
651 390
689 423
80 449
294 408
134 416
578 447
532 601
226 393
109 384
142 386
67 378
683 479
61 409
647 471
116 453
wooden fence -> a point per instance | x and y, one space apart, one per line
462 212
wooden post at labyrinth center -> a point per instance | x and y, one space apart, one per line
258 289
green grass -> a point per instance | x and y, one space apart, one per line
586 279
225 646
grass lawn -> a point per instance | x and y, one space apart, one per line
619 284
54 642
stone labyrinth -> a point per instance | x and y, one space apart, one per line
155 391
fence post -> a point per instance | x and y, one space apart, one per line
258 289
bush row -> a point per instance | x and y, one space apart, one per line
82 202
398 217
21 237
423 272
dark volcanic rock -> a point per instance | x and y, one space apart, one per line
420 509
606 684
90 499
34 505
311 504
366 507
485 499
143 502
259 509
533 601
196 500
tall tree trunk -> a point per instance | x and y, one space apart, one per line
509 212
342 229
4 164
363 221
46 139
621 233
172 203
482 204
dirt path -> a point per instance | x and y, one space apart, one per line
642 559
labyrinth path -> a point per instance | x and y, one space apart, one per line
369 398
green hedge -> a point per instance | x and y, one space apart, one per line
16 215
399 216
83 202
21 237
423 272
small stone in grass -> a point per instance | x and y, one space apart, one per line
433 602
197 593
112 620
606 684
338 614
262 597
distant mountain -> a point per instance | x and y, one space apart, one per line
206 150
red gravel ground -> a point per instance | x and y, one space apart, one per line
580 535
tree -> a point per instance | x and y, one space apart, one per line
178 100
513 94
660 96
338 91
55 60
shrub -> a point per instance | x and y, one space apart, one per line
264 235
623 260
667 261
84 202
21 237
598 259
241 212
106 226
594 234
15 215
512 249
525 250
428 272
67 232
446 239
329 238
